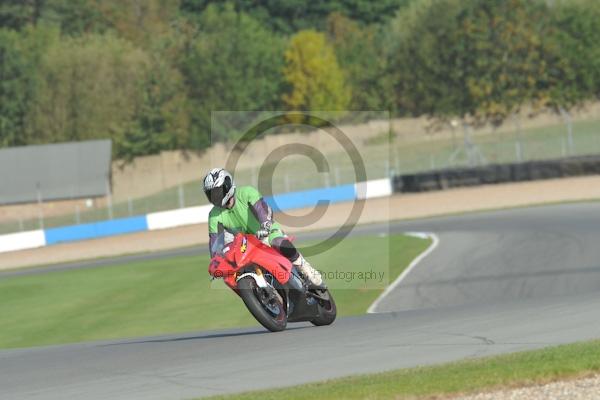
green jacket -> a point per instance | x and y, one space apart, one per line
242 217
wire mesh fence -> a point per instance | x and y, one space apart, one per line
392 155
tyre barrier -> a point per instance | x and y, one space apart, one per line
496 173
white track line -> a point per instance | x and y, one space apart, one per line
413 264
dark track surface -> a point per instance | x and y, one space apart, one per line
498 282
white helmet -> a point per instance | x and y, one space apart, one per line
219 186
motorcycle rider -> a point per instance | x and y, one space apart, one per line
243 209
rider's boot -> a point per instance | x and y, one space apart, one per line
313 276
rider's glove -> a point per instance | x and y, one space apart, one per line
264 231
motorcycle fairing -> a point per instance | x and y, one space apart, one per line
256 252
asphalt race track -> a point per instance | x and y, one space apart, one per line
497 282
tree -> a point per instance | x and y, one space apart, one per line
139 21
290 16
16 14
426 60
360 53
234 63
505 38
89 89
75 17
316 81
476 59
20 54
161 119
12 93
572 54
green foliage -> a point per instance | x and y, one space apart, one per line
75 17
89 88
72 16
161 118
428 75
360 52
290 16
141 22
484 59
13 89
20 54
148 74
479 59
315 79
574 51
505 49
16 14
233 63
100 86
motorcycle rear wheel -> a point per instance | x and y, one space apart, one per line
271 315
327 309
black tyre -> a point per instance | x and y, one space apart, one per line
267 309
327 309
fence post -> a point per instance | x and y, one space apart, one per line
474 155
454 123
109 199
518 147
518 151
40 206
567 117
130 206
77 215
181 196
180 189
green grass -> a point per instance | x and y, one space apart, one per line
518 369
170 295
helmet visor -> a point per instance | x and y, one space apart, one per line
216 195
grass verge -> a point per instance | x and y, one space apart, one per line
171 295
518 369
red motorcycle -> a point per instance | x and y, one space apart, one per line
272 289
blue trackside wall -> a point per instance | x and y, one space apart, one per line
186 216
310 198
96 230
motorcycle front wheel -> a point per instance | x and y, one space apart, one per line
262 304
